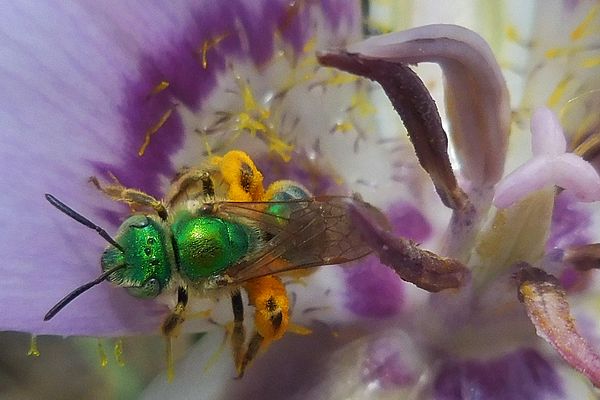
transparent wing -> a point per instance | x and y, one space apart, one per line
308 233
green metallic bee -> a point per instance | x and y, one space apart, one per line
192 244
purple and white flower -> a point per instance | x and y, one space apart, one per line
141 89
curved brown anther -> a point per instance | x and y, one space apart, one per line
584 257
476 96
418 111
425 269
547 307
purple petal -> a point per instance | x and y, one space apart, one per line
322 365
386 363
78 83
570 223
522 374
547 137
480 121
373 290
407 221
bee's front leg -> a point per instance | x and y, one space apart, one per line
133 197
188 184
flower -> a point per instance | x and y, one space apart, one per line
151 89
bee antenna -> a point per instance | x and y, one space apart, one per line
81 289
82 220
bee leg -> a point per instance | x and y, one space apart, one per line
238 336
255 344
186 184
133 197
172 326
271 318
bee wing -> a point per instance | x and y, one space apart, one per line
318 231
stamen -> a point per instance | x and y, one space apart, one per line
102 354
548 309
209 44
480 122
161 86
169 356
584 257
118 350
583 28
33 347
155 128
559 91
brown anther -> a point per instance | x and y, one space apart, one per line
418 111
583 257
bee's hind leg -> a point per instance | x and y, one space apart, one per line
133 197
271 318
238 335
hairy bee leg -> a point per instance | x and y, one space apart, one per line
238 335
271 318
187 181
253 347
171 327
133 197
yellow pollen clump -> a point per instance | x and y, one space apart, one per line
239 172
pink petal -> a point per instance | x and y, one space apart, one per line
547 137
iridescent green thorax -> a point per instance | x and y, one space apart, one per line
207 245
148 255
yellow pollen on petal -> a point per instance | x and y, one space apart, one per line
513 34
343 127
362 103
583 28
102 354
118 351
299 329
256 119
558 52
591 62
559 91
310 45
338 79
33 347
153 129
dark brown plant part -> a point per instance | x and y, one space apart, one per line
547 307
583 257
425 269
418 111
476 96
